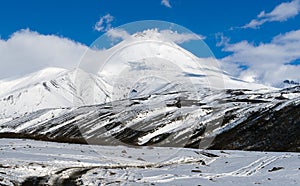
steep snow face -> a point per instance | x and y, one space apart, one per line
43 89
9 85
49 88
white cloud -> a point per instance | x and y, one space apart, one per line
255 24
180 37
104 23
27 51
268 63
118 33
154 33
166 3
280 13
221 39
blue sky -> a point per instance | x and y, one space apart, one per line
214 19
76 20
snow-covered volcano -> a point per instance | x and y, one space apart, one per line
144 63
141 58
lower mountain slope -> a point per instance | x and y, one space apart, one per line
231 119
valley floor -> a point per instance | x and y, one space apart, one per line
30 162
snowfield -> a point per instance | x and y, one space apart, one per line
36 162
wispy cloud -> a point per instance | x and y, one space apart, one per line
280 13
104 23
221 39
166 3
180 37
116 33
268 63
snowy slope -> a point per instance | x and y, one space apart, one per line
48 88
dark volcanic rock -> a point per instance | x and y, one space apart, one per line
269 130
233 119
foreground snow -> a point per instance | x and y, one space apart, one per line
37 162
